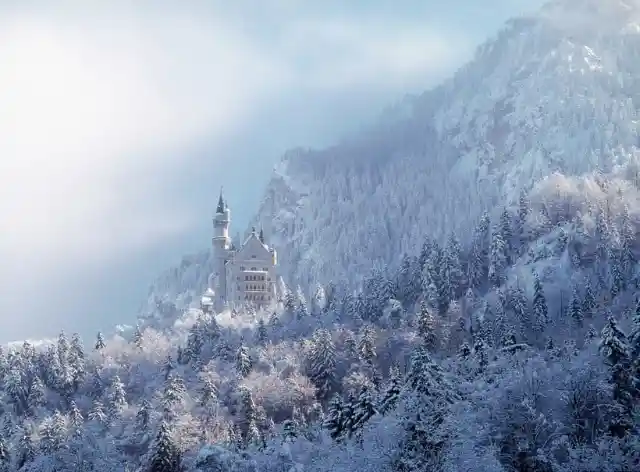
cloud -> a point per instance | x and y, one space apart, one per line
100 104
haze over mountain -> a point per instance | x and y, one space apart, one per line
555 91
145 125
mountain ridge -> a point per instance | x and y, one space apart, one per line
536 99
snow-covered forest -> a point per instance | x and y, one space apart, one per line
461 292
519 351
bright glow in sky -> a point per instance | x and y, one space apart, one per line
102 106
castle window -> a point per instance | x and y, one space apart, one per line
253 268
265 269
262 297
246 277
253 256
241 267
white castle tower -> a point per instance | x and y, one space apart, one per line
240 275
221 246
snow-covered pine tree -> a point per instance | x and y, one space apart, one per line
261 333
589 299
427 328
539 308
243 361
616 352
575 308
334 420
322 363
99 342
165 454
497 259
367 345
391 394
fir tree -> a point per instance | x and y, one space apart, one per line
289 431
247 415
367 345
589 300
99 342
334 421
465 351
391 395
261 333
497 259
243 361
168 367
365 409
575 308
615 349
137 337
118 400
322 363
165 455
540 312
426 328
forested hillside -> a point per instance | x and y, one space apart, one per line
518 351
555 91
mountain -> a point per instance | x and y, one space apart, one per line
556 91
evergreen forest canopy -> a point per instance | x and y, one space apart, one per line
517 352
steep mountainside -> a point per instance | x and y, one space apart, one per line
558 91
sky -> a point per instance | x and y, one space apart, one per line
120 120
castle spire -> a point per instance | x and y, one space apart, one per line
261 235
221 204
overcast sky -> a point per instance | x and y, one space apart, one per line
119 120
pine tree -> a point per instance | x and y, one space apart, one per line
427 328
497 259
391 395
500 318
243 361
589 300
452 268
334 421
26 449
99 342
168 367
478 268
367 345
173 394
615 349
143 415
575 308
247 415
289 431
322 363
506 233
138 337
165 456
195 341
118 400
480 354
408 281
540 312
301 305
465 351
261 333
365 409
520 222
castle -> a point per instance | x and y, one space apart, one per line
241 275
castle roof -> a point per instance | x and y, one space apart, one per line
221 204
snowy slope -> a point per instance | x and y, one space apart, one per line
553 92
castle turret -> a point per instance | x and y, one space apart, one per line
221 245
